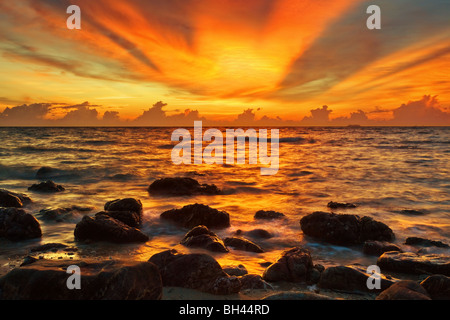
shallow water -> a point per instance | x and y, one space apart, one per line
382 169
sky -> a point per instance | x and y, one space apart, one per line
265 62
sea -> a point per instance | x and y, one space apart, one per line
385 171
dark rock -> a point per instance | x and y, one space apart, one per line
350 278
105 228
425 242
47 186
296 295
437 286
126 204
12 199
268 215
254 281
408 262
16 225
48 247
377 248
61 214
130 218
256 233
181 186
404 290
28 260
242 244
49 173
233 270
411 212
195 271
109 280
201 237
197 214
294 265
344 229
340 205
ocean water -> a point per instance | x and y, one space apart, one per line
383 170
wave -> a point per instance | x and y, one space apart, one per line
32 149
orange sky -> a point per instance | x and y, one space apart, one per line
221 57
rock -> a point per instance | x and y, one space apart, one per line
47 186
52 246
344 229
233 270
109 280
197 214
242 244
411 212
296 295
254 281
28 260
130 218
195 271
256 233
350 278
425 242
268 215
49 173
201 237
126 204
404 290
16 225
437 286
61 214
294 265
377 248
12 199
181 186
408 262
105 228
340 205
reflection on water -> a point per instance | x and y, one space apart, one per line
383 170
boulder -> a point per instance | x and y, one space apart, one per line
107 280
344 229
404 290
197 214
243 244
126 204
294 265
408 262
255 233
340 205
130 218
437 286
195 271
201 237
47 186
416 241
16 225
12 199
377 248
254 281
233 270
350 278
105 228
181 186
268 215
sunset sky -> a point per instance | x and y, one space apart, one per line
278 58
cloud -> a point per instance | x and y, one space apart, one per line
424 112
25 115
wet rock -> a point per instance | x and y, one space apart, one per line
201 237
109 280
296 295
197 214
256 233
49 173
130 218
233 270
181 186
13 199
416 241
126 204
28 260
349 278
408 262
294 265
437 286
344 229
404 290
105 228
377 248
243 244
268 215
340 205
254 281
16 225
47 186
195 271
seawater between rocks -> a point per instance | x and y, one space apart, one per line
384 170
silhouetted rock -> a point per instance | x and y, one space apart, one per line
16 225
404 290
243 244
344 229
233 270
47 186
181 186
109 280
408 262
195 271
340 205
268 215
130 218
105 228
256 233
254 281
377 248
13 199
294 265
201 237
437 286
126 204
416 241
197 214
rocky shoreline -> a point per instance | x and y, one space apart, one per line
420 275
